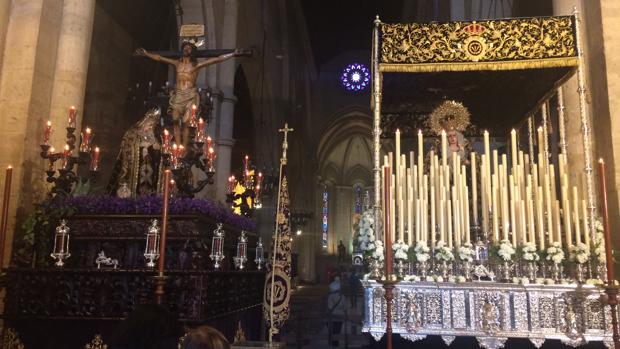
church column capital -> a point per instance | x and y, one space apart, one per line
227 142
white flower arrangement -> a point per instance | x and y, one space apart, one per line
555 253
400 250
598 241
376 249
460 279
579 253
520 281
530 253
422 251
506 250
412 278
466 252
594 282
443 252
366 235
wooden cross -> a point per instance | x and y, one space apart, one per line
285 130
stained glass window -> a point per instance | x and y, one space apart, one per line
358 199
355 77
325 215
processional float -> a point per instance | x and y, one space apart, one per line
494 244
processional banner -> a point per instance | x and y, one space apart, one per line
281 276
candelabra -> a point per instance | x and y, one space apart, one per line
200 154
67 174
244 196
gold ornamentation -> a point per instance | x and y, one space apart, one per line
11 340
239 335
96 343
449 115
486 41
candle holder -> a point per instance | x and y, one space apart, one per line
506 271
445 270
61 244
467 269
260 259
531 268
217 246
423 270
242 251
580 273
376 267
400 268
151 250
249 199
181 161
67 175
556 272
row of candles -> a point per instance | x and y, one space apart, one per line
517 200
85 144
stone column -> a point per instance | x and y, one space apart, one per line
226 85
71 65
25 91
5 11
574 145
225 143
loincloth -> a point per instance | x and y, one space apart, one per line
181 101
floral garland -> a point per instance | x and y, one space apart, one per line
366 235
422 251
466 252
400 249
506 250
579 253
529 252
555 253
443 252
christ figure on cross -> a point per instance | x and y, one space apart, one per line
186 94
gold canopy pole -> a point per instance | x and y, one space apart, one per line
376 130
585 125
530 139
545 120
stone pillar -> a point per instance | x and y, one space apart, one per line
5 11
71 65
225 143
226 85
574 144
606 98
25 91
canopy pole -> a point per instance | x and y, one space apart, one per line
376 130
562 121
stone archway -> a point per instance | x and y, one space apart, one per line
345 163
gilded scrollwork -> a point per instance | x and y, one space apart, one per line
490 41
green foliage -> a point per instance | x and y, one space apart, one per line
36 235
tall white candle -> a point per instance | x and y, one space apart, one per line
433 220
578 238
444 149
474 187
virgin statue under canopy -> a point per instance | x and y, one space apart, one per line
453 118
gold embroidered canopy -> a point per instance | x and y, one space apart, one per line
501 70
505 44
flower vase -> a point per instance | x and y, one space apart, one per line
444 269
579 273
400 268
506 268
531 269
423 270
467 270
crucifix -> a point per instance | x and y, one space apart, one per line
185 96
285 130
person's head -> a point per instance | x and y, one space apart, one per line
189 50
204 337
452 137
147 326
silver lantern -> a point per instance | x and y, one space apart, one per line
217 246
242 251
259 260
151 250
61 244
